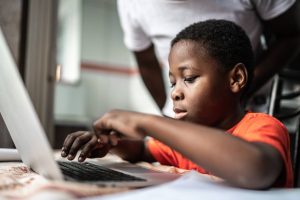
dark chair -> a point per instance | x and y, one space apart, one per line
285 105
296 155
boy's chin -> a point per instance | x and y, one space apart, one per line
192 120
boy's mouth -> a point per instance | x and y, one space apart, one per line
179 113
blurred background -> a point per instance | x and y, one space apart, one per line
73 61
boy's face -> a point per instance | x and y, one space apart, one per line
200 91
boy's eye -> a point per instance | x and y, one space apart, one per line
190 79
172 85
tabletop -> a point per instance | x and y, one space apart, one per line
17 181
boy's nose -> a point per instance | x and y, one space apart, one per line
177 95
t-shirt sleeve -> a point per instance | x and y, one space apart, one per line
167 156
268 9
134 37
161 153
269 130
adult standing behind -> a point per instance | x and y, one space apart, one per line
149 27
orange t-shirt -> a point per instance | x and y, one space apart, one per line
254 127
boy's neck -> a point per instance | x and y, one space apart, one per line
233 118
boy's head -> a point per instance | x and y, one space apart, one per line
210 67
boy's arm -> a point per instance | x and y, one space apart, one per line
286 29
245 164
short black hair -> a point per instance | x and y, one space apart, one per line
223 40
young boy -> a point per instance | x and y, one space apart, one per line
210 69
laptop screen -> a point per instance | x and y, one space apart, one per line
21 119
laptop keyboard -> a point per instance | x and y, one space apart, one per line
91 172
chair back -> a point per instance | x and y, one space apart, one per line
284 104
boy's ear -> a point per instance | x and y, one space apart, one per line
238 77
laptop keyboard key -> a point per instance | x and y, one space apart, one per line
91 172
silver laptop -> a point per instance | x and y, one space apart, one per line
30 139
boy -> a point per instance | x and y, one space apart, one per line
210 70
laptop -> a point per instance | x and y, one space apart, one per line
30 139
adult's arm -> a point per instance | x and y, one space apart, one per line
151 74
286 29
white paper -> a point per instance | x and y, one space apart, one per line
196 186
9 154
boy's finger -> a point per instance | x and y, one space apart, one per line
87 149
103 139
113 139
78 143
68 142
100 128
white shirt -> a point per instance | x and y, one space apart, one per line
158 21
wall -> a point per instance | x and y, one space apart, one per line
10 23
109 78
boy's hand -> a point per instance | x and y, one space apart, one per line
91 146
125 123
